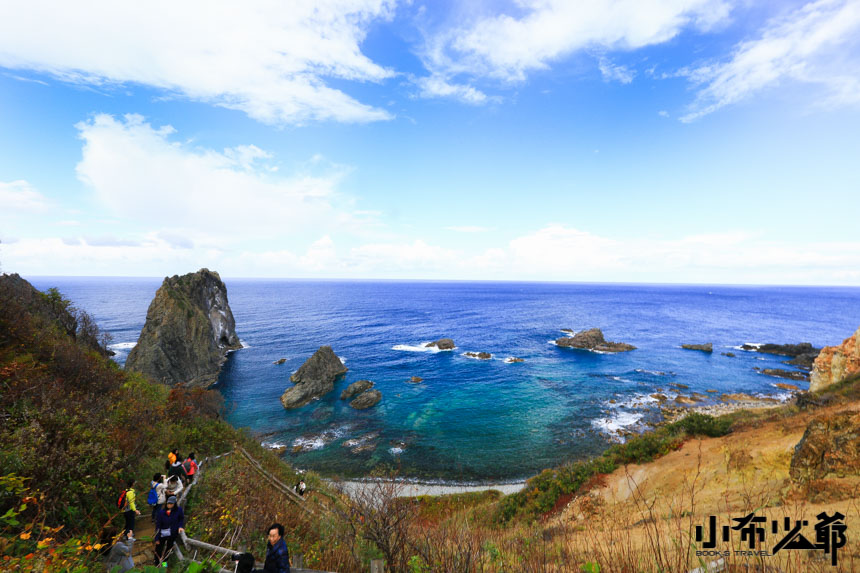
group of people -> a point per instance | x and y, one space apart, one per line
169 519
167 516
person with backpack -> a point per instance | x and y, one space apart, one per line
169 523
155 498
190 466
177 470
128 508
120 555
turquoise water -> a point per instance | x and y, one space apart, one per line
474 420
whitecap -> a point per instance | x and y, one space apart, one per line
244 344
512 360
122 346
273 445
553 342
637 400
618 421
654 372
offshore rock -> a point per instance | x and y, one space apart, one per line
188 332
780 373
830 444
356 388
366 400
803 354
314 378
441 344
836 363
478 355
707 347
593 340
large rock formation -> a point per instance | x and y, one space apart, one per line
830 444
314 378
189 330
593 340
836 363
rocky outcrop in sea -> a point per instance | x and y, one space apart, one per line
188 332
836 363
803 354
315 378
441 344
593 340
356 388
366 399
707 347
781 373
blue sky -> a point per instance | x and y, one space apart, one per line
695 141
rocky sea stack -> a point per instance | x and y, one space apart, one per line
314 378
836 363
707 347
593 340
189 330
441 344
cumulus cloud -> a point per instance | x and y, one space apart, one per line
268 59
20 196
816 44
139 173
536 33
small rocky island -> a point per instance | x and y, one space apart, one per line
315 378
441 344
365 397
707 347
188 332
593 340
478 355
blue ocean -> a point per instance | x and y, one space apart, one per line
475 420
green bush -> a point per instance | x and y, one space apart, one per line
697 424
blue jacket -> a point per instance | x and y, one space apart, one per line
173 522
277 558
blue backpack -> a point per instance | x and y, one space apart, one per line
152 497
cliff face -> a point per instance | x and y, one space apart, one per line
189 329
836 363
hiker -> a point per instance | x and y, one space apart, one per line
190 466
177 470
173 487
171 457
277 554
156 496
129 509
302 487
120 555
169 523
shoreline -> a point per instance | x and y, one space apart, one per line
410 489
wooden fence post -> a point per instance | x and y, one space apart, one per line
377 566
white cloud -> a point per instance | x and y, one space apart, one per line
140 175
816 44
266 58
21 196
615 72
509 46
437 86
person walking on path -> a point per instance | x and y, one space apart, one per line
277 554
169 523
177 470
171 457
129 509
190 466
174 487
158 487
